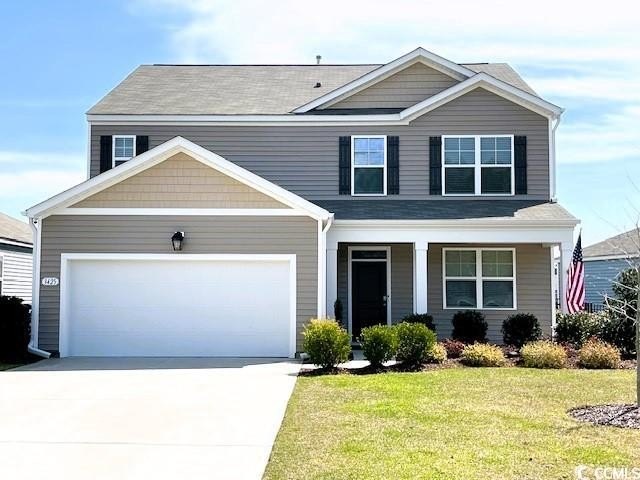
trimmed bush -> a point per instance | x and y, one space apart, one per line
619 331
521 328
576 328
543 354
598 354
482 355
453 347
15 328
326 342
379 344
437 354
469 326
423 318
415 341
619 327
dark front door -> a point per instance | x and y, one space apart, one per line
369 295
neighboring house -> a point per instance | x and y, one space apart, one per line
604 261
16 258
421 185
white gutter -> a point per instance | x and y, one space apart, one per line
35 290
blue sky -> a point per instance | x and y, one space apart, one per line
60 57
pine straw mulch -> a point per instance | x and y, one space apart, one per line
614 415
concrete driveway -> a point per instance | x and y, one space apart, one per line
81 418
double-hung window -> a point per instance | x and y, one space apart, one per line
124 148
478 165
369 165
482 278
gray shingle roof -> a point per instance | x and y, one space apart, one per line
627 243
373 209
15 230
241 89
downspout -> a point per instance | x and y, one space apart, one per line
553 153
35 291
323 269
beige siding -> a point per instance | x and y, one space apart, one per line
17 271
533 286
180 182
117 234
401 279
304 159
401 90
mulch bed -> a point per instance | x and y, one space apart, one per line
620 415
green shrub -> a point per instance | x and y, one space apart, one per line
379 344
423 318
619 327
482 355
326 342
437 354
543 354
598 354
521 328
469 326
577 328
15 328
620 331
453 347
415 341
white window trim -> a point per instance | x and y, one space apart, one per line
478 166
478 278
384 167
115 159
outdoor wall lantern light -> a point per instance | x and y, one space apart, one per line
176 241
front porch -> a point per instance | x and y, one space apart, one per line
380 276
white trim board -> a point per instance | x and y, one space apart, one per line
66 258
157 155
258 212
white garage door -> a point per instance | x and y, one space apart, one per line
178 305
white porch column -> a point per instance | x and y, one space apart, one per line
566 254
331 278
421 249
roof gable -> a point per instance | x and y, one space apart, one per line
14 230
161 153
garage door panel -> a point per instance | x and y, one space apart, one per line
179 308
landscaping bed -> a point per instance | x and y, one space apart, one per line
623 416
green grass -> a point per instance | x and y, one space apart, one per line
463 423
8 366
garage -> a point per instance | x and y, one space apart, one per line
177 305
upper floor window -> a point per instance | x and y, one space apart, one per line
478 165
124 148
369 165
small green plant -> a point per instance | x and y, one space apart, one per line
469 326
415 341
326 343
379 344
453 347
15 328
576 328
521 328
598 354
423 318
543 354
482 355
437 354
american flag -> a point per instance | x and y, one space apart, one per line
575 280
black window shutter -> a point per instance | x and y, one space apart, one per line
106 160
344 152
435 165
142 144
393 165
520 164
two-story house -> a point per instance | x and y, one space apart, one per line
226 205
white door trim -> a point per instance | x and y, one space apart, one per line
352 249
66 258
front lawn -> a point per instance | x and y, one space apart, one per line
449 424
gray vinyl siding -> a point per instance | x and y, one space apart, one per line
17 271
304 159
122 234
401 90
401 279
599 275
533 289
